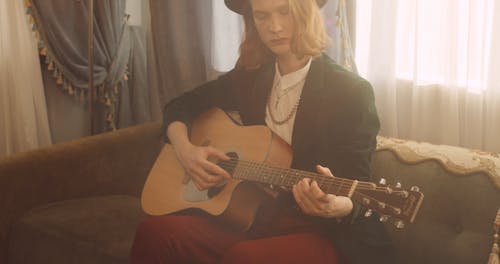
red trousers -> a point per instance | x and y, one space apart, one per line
197 238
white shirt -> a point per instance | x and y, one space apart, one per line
285 95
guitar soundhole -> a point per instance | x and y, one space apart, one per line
215 190
229 166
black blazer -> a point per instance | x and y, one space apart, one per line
336 126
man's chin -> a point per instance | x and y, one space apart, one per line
280 50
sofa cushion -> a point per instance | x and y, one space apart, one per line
91 230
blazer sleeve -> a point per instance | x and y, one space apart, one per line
355 131
185 108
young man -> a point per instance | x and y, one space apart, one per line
326 114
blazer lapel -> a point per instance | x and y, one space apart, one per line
261 92
307 117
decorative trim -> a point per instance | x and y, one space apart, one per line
457 160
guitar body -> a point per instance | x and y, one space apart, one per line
168 189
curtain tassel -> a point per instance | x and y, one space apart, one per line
82 96
125 77
59 79
71 90
43 51
51 66
31 20
109 118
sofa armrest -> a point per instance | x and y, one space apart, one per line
110 163
454 222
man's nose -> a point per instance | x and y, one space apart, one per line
275 24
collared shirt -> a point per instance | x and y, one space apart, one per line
284 99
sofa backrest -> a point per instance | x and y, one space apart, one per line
110 163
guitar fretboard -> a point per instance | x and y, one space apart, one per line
286 177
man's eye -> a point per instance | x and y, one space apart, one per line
260 16
284 11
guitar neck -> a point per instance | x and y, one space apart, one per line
286 177
386 201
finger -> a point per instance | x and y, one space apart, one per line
203 177
296 195
217 153
196 182
306 204
214 169
305 188
304 183
317 193
315 198
299 197
324 170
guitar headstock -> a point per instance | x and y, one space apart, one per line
390 202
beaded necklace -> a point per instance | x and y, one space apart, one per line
287 118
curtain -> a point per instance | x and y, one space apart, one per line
122 94
23 114
433 66
179 59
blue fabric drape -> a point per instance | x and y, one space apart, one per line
63 29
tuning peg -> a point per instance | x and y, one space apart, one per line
415 189
403 194
382 181
399 224
384 218
368 213
398 185
397 211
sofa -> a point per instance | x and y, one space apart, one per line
79 202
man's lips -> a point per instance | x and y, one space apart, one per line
279 41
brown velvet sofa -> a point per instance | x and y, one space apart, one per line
78 202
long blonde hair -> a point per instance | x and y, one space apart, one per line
310 37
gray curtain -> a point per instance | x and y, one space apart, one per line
122 94
134 104
181 45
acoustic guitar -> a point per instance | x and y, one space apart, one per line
257 156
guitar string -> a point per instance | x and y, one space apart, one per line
342 182
280 174
296 175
